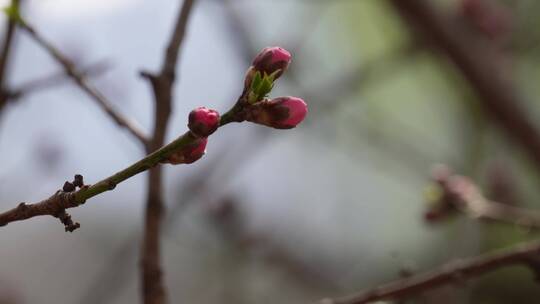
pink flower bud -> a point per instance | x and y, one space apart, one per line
189 154
272 59
488 17
203 121
279 113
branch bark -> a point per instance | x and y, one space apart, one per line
153 289
65 200
452 272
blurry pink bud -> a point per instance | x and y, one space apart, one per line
489 17
272 59
433 216
189 153
203 121
279 113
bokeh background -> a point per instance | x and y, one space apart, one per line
267 216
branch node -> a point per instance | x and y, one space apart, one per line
65 218
148 75
68 187
78 180
22 207
111 185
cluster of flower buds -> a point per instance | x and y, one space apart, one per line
202 122
281 112
253 106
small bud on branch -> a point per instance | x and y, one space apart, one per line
272 60
488 17
203 121
280 113
189 153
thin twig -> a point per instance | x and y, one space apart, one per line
66 200
83 83
456 271
153 288
7 46
49 81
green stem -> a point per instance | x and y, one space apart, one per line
234 114
142 165
149 161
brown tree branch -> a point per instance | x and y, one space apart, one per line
460 193
7 45
49 81
481 64
153 289
55 205
68 198
449 273
82 82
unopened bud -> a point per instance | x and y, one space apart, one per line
189 153
279 113
271 60
489 17
203 121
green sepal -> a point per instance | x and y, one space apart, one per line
12 12
256 82
261 86
433 193
266 87
252 97
273 75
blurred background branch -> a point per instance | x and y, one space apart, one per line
455 271
482 64
5 56
81 81
153 288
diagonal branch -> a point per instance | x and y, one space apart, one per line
153 289
482 66
83 83
65 200
449 273
53 79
